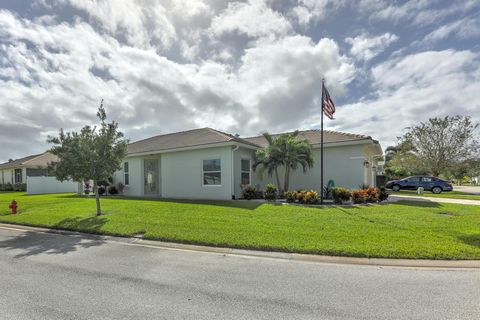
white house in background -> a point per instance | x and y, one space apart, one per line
16 171
210 164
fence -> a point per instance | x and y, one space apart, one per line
40 185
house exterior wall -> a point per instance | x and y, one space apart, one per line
238 155
342 164
136 183
181 174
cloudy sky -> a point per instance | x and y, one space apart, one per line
238 66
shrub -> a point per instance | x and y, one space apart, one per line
299 195
249 192
290 196
311 197
120 187
270 192
383 194
19 187
6 187
341 195
101 190
112 190
359 196
372 195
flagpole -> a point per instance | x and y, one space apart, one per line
321 146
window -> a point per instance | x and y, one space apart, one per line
18 175
427 179
414 179
212 172
245 172
126 175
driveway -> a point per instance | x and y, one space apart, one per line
469 189
51 276
398 197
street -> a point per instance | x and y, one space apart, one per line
53 276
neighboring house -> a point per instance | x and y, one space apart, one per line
206 163
17 171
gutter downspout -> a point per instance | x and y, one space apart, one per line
232 185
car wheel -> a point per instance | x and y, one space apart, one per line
396 187
437 190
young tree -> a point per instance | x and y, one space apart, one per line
440 143
287 150
91 154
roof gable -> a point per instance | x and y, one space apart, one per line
183 139
315 136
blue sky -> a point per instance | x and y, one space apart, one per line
239 66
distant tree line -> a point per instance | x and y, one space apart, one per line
447 147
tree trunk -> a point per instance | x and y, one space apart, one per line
278 180
287 178
97 198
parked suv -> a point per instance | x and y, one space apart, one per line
433 184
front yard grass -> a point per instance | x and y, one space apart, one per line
447 195
397 230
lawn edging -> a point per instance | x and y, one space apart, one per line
301 257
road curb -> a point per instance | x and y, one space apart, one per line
379 262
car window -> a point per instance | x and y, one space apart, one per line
414 179
427 179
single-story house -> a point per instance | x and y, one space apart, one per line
16 171
210 164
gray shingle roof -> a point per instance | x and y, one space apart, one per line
18 162
315 137
190 138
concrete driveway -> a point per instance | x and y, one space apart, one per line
51 276
469 189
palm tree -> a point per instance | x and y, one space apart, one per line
267 158
287 150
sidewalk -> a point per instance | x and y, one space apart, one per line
395 198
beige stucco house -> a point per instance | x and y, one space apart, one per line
16 171
210 164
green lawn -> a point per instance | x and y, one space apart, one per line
401 230
446 195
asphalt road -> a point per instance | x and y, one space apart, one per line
50 276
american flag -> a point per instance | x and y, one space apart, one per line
328 106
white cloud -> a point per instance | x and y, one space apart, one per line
253 18
365 47
309 12
52 80
414 88
463 28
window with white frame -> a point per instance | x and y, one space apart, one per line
212 172
245 179
126 175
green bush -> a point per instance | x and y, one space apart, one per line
20 187
311 197
249 192
341 195
112 190
270 192
289 196
101 190
6 187
383 194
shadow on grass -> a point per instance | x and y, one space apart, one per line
415 203
33 243
241 204
471 239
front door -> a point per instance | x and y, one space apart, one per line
151 176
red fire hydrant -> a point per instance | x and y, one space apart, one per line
13 206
